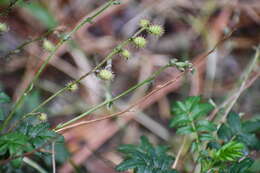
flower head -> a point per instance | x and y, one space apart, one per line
125 53
156 30
106 74
140 42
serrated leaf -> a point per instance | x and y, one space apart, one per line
145 158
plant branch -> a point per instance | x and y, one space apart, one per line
115 51
148 80
26 43
61 42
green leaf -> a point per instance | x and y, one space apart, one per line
231 151
225 133
251 126
206 137
241 166
205 126
145 158
130 164
188 112
179 120
234 129
4 98
234 123
14 144
249 139
201 109
185 130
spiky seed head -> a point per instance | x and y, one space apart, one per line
140 42
125 53
43 117
72 86
3 27
144 23
106 74
49 46
156 30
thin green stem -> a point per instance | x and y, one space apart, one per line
26 43
93 109
115 51
61 42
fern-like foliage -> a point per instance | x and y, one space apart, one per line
188 116
231 151
145 158
30 135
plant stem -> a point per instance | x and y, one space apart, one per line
115 51
93 109
26 43
34 165
180 152
242 83
61 42
53 157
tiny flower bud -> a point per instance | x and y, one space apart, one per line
106 74
125 53
156 30
140 42
72 86
3 27
42 117
144 23
49 46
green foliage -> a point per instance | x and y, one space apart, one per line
188 116
229 152
29 136
234 129
145 158
14 144
241 166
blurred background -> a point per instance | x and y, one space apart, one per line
192 28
